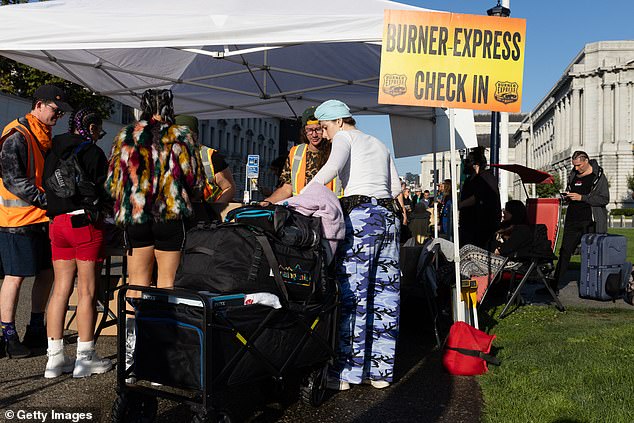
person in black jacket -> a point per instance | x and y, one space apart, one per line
479 203
76 232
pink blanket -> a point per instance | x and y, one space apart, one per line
317 200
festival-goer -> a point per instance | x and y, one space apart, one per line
587 195
304 161
25 249
155 169
425 199
446 211
514 236
408 201
220 186
368 258
479 204
76 233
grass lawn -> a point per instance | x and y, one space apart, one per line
576 366
575 261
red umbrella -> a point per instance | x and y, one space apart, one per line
527 174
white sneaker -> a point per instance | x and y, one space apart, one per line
57 364
89 363
378 384
337 385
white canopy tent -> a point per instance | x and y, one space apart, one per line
222 59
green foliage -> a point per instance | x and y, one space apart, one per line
550 190
630 182
561 367
622 212
22 81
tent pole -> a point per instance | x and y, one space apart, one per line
459 307
435 179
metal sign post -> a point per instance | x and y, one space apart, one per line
252 172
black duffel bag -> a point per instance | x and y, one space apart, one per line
238 258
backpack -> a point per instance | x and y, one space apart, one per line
69 178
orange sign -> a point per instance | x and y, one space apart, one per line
452 60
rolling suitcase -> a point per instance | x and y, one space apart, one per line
604 271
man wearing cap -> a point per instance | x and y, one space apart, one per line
220 187
25 249
304 161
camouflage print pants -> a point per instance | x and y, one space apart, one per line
369 277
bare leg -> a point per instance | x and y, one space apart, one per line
41 290
86 286
140 266
168 262
62 288
9 295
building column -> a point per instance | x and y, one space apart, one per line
600 113
617 110
558 128
574 110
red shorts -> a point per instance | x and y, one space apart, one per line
68 243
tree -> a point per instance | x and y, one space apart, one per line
550 190
22 81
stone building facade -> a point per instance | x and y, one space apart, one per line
237 138
590 108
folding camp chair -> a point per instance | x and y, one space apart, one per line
535 263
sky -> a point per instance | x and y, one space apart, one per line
556 31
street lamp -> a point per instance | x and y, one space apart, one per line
499 10
505 12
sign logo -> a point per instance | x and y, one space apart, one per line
394 84
296 275
506 92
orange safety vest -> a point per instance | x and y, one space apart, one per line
212 191
15 212
298 172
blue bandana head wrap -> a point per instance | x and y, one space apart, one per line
331 110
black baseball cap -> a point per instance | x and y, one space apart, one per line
53 93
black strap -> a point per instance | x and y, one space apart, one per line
275 267
201 250
475 353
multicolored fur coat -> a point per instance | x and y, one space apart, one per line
154 171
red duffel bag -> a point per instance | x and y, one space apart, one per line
467 351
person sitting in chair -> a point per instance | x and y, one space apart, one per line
515 237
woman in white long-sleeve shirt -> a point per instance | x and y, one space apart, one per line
367 260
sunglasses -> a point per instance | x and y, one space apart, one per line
315 130
102 134
57 111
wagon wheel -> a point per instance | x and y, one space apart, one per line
134 408
211 416
313 389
